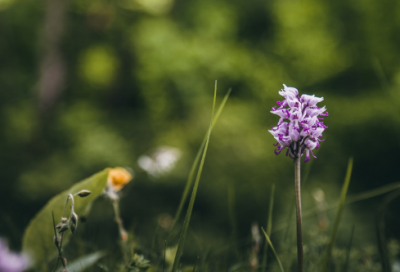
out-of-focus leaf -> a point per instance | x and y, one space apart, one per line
38 237
86 261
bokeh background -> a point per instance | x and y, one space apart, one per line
86 85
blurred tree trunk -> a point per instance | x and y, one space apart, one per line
52 69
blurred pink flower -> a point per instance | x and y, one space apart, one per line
11 262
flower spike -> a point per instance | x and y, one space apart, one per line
300 126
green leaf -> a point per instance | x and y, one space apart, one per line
38 237
339 211
84 262
185 227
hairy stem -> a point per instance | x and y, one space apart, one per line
122 232
298 213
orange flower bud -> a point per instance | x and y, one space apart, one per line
118 177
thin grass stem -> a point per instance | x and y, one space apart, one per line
185 227
269 227
273 250
347 261
233 221
339 211
349 200
380 231
192 171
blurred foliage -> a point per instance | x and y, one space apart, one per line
139 75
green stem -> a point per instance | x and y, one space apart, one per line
298 213
70 196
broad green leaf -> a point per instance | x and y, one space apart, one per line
38 237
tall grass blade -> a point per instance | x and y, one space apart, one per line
349 200
273 250
339 211
164 260
373 193
269 227
192 172
380 231
195 265
232 219
194 192
346 263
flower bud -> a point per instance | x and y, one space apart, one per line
74 218
63 228
83 193
57 240
73 228
63 219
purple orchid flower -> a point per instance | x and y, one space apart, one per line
302 131
11 262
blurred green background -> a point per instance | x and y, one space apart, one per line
86 85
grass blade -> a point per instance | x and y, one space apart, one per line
273 250
232 217
269 227
380 231
194 192
190 179
349 200
346 263
339 211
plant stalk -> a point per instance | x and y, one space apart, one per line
122 232
300 261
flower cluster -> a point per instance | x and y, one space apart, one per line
304 127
